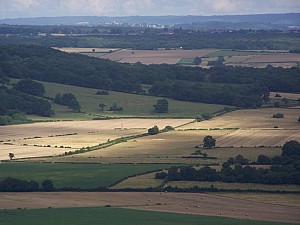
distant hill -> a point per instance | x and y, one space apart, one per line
273 20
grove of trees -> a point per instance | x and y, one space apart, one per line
284 169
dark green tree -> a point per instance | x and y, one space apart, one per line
291 148
209 142
263 160
102 106
66 98
48 185
11 155
162 106
197 61
115 108
154 130
30 87
74 105
278 115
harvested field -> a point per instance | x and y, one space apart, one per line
186 203
251 118
155 56
256 127
274 58
169 147
280 199
71 134
255 137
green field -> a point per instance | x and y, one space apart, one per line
234 53
112 216
133 105
186 61
75 175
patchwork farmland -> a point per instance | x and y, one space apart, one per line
257 127
40 139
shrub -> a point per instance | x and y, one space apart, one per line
278 115
154 130
102 93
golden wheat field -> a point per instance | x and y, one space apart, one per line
169 147
256 127
52 138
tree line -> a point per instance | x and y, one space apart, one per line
10 184
284 170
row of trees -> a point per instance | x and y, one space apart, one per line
68 99
16 185
284 170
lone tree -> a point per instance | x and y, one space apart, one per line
74 105
209 142
101 106
11 155
115 108
154 130
162 106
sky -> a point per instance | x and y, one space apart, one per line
50 8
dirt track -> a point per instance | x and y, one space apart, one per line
187 203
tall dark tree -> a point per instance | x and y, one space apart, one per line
162 106
101 106
209 142
74 105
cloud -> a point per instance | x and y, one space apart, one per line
33 8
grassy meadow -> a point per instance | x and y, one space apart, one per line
133 105
76 175
113 216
